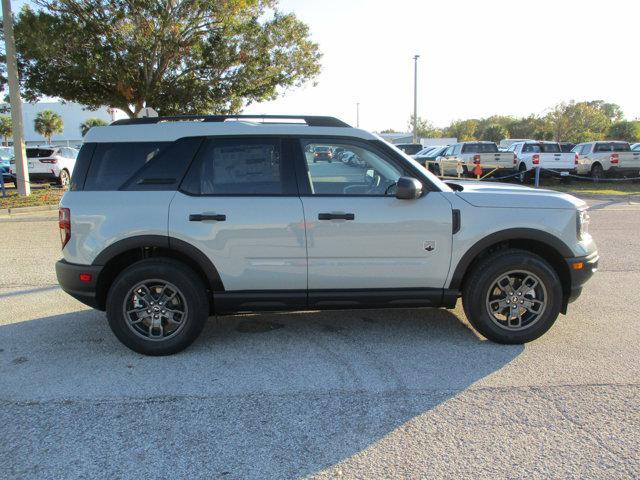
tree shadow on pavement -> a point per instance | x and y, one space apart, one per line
257 396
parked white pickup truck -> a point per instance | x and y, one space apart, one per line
599 159
470 154
544 155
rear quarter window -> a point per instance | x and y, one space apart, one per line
113 164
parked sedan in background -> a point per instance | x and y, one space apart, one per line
49 162
6 155
428 156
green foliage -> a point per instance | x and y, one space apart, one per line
91 122
47 123
425 128
625 130
582 121
6 128
189 56
494 133
463 130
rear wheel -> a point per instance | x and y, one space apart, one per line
64 179
157 306
512 297
597 172
525 176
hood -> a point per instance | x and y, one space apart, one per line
497 195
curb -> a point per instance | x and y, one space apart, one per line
18 210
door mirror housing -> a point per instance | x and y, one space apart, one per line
408 188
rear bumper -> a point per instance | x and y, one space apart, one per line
69 279
580 276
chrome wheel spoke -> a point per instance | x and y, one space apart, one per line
516 300
146 310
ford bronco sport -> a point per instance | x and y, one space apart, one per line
169 220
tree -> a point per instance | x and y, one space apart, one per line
625 130
177 56
494 133
463 130
91 122
47 123
389 130
582 121
6 128
425 128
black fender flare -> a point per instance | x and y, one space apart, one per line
502 236
170 243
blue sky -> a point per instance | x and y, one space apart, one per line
477 58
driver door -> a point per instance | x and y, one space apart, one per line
359 235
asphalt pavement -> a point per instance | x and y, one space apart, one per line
409 393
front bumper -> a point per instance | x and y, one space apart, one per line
83 290
580 276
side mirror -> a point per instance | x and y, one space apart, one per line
408 188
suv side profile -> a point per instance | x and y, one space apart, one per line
169 220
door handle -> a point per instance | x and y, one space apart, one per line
336 216
203 217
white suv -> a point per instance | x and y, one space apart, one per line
170 220
49 162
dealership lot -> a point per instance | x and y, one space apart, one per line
335 394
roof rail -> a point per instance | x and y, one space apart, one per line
311 121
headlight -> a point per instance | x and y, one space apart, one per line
582 223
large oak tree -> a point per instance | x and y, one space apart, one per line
177 56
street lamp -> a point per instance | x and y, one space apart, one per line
415 98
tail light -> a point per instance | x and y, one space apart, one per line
575 160
515 159
615 158
536 159
64 222
476 159
49 160
12 162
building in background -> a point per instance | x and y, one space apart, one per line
73 114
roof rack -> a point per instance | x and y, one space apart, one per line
311 121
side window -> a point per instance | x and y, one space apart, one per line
249 166
448 151
586 149
457 149
114 163
356 170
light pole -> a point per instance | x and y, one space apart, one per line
415 98
22 171
358 114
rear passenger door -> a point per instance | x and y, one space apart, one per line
239 205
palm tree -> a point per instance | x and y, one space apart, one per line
47 123
91 122
6 128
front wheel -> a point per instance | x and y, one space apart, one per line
525 175
512 297
157 306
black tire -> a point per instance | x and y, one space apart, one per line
597 172
64 179
480 282
525 176
192 292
